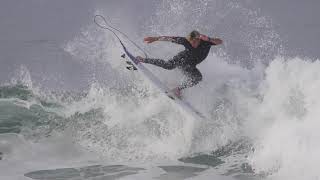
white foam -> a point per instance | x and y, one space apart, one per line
285 123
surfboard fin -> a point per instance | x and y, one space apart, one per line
131 68
129 63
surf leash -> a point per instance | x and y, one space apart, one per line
112 29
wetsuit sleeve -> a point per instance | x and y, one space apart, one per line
180 40
177 40
208 42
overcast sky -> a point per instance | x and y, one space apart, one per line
32 31
297 22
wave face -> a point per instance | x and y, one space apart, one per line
262 106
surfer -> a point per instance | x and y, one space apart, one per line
197 47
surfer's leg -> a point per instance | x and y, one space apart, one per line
161 63
193 77
176 61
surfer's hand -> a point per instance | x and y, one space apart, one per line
140 59
204 37
150 39
215 41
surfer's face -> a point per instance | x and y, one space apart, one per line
195 42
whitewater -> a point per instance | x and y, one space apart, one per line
262 104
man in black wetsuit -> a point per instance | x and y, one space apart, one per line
197 47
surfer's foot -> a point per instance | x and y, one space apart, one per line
140 59
177 92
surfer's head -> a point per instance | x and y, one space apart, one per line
194 38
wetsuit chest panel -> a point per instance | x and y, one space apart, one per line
195 56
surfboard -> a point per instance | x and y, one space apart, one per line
135 64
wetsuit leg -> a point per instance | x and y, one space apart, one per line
193 75
178 60
161 63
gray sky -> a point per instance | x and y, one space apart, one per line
297 22
32 32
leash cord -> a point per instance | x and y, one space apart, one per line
112 29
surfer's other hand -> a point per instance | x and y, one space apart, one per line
140 59
150 39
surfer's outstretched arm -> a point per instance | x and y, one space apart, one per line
178 40
161 63
214 41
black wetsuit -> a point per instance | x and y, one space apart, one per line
186 60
